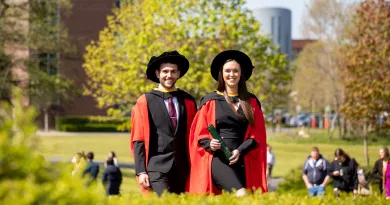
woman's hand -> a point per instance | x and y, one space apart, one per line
214 145
235 157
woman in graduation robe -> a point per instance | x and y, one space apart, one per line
236 114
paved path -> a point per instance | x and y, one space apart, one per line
273 183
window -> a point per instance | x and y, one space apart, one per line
48 63
117 3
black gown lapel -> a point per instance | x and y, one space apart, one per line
161 96
182 113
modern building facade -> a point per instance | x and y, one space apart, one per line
277 23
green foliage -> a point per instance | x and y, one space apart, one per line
199 30
46 89
367 73
4 74
270 198
293 182
25 176
91 123
316 78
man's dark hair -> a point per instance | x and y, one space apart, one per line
90 155
110 161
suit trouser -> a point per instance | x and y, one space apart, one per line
174 181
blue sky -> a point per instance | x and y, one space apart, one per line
297 8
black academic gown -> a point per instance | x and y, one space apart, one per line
232 129
167 151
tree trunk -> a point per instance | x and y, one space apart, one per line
333 125
365 140
343 129
46 119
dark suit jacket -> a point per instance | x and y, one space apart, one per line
377 173
112 178
92 170
167 146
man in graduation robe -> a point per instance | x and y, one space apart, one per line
161 120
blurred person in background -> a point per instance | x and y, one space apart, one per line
344 173
112 178
113 156
78 162
316 173
377 171
91 169
270 162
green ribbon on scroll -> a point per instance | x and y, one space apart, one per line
216 136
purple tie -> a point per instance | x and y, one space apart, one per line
172 113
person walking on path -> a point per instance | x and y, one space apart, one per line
112 178
161 120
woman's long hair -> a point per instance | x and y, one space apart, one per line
242 92
387 155
340 152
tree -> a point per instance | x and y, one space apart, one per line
46 90
326 20
308 79
32 36
367 68
198 29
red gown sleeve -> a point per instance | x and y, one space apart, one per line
200 181
140 130
256 160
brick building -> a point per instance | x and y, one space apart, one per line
298 45
84 22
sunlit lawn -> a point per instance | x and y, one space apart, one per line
289 153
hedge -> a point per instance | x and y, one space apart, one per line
92 124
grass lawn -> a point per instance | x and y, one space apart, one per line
289 153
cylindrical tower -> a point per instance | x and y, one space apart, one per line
277 23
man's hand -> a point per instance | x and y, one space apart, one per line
309 186
235 157
214 145
143 180
336 173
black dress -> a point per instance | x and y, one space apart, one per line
232 129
